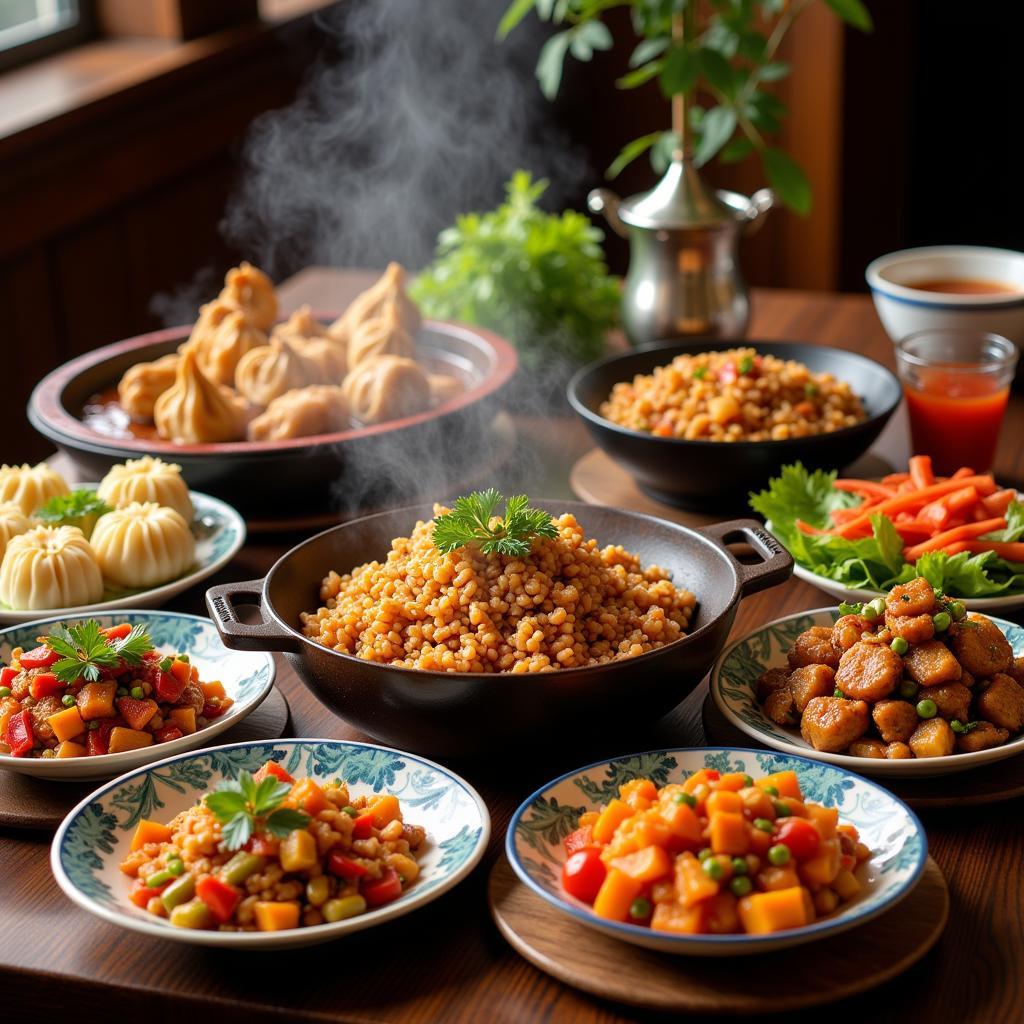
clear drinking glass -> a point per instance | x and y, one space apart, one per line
956 384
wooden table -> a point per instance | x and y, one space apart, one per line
447 962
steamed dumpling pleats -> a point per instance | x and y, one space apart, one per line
308 336
305 412
219 350
384 336
266 373
143 545
389 290
247 288
31 487
50 567
196 410
143 383
147 479
386 388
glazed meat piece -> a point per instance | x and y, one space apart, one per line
831 723
809 682
867 748
192 697
952 699
814 647
869 671
1002 703
915 629
933 738
1017 670
41 711
983 736
914 598
898 751
779 706
979 646
895 720
848 630
932 663
770 681
966 679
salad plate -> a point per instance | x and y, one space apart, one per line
219 533
886 825
733 683
96 835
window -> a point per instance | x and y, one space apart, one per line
34 28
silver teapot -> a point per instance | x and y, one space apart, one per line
684 276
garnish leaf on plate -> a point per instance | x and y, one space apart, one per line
244 806
81 508
474 519
85 650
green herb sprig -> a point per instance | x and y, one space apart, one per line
79 508
475 520
85 650
244 806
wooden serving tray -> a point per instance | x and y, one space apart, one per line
988 784
27 802
824 971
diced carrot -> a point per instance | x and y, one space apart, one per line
184 719
137 713
940 540
846 884
274 916
848 830
766 912
638 793
679 918
617 892
825 819
921 471
772 878
721 915
588 818
732 781
385 808
96 700
692 884
647 865
182 671
214 688
729 833
610 818
700 776
796 808
760 842
785 782
150 832
122 739
71 749
823 866
683 823
723 800
66 724
272 768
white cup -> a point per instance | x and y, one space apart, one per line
904 309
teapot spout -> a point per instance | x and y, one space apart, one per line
760 203
606 202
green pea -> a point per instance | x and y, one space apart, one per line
350 811
778 855
941 621
67 700
781 809
771 790
927 708
741 886
739 866
748 781
712 868
899 645
175 866
93 725
5 691
876 608
838 693
908 689
137 692
763 825
685 798
640 909
958 610
704 854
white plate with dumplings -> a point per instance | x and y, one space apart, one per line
146 539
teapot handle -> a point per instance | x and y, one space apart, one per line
604 201
760 203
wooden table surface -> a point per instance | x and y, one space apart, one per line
447 962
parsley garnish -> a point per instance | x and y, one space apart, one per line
474 520
244 806
79 508
700 373
962 727
85 649
746 364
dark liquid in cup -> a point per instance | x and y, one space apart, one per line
964 286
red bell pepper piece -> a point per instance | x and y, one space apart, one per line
44 684
19 736
712 774
7 676
167 685
345 867
214 711
270 768
167 733
39 657
363 826
140 893
263 845
220 897
97 741
578 840
382 890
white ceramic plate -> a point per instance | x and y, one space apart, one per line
897 840
220 533
95 836
247 677
735 674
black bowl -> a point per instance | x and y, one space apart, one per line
469 714
714 475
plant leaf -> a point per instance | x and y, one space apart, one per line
247 786
718 71
550 61
679 71
517 10
788 179
773 72
236 832
634 79
647 49
286 820
663 150
225 804
733 152
853 12
630 152
716 129
269 793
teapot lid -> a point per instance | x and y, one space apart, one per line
679 200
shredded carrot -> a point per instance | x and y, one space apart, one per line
1011 551
895 478
940 540
997 504
921 471
962 472
868 487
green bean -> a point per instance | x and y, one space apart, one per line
178 892
194 914
342 908
158 878
241 866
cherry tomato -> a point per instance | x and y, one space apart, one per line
583 874
802 838
579 840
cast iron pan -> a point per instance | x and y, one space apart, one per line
469 714
713 475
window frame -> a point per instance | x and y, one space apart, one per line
84 30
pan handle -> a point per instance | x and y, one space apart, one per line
777 566
243 636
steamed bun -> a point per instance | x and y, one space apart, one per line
197 410
50 567
147 479
304 412
143 545
385 388
30 487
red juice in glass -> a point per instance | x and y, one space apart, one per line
956 385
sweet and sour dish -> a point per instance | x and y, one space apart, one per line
911 675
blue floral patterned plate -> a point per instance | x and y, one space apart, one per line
95 836
734 678
897 840
247 678
219 532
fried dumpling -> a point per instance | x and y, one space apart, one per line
147 479
443 387
219 349
268 372
304 412
384 336
31 487
389 290
143 545
143 383
386 387
12 523
247 288
196 409
50 567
